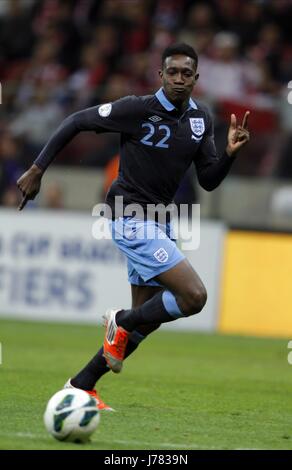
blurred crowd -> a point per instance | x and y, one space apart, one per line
59 56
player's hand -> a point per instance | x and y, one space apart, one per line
238 136
29 184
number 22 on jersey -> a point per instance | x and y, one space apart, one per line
150 136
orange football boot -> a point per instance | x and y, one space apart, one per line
115 342
100 404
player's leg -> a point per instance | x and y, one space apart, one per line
97 366
185 295
154 258
140 295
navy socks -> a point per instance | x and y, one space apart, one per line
161 308
96 368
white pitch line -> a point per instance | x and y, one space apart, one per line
30 435
161 444
173 445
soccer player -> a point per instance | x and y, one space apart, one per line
161 135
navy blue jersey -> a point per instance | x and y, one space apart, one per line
158 144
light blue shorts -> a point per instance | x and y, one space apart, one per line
149 247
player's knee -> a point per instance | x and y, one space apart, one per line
194 301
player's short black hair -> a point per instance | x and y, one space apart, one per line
180 49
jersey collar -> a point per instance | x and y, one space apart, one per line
167 104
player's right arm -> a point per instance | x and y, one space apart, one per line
110 117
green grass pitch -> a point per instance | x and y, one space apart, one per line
179 391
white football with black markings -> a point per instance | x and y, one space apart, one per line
71 415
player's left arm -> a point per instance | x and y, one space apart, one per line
212 169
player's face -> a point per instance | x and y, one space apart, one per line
178 77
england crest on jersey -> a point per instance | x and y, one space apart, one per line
197 126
